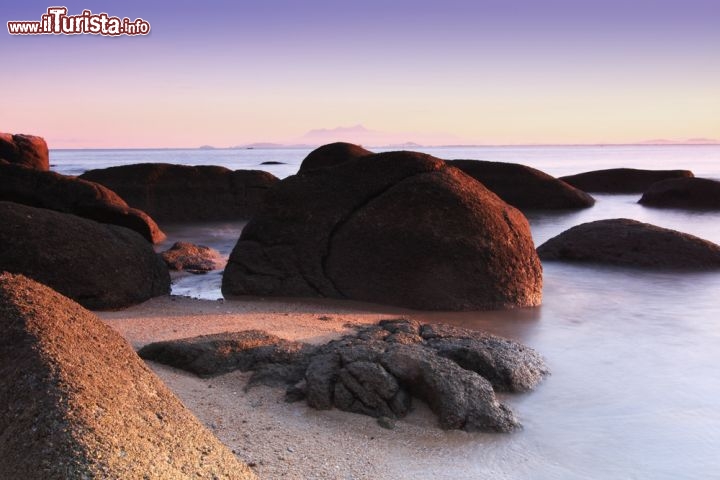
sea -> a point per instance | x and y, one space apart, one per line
635 355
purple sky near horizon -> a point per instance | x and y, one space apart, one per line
226 73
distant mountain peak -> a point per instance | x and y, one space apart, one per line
338 130
361 135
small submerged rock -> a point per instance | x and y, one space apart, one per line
185 256
622 241
378 370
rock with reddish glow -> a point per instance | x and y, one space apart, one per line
26 150
72 195
399 228
524 187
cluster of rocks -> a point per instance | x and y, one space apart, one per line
659 188
77 401
377 371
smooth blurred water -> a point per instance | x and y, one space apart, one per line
555 160
635 388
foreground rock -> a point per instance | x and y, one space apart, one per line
77 402
397 228
377 371
524 187
26 150
627 242
332 154
72 195
192 258
99 266
209 355
689 193
180 193
621 180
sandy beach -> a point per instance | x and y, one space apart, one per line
290 440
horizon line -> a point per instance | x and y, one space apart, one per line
279 146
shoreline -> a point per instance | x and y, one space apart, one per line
291 440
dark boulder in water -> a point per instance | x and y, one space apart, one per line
26 150
181 193
399 228
184 256
621 180
332 154
72 195
99 266
272 162
627 242
78 403
524 187
687 193
377 371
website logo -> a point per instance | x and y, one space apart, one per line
57 22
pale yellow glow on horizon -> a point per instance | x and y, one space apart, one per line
109 112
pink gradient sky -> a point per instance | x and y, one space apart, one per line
227 73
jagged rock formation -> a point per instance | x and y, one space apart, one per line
377 371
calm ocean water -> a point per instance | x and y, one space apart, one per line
635 389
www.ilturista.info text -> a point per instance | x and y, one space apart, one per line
57 22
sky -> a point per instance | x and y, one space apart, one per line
227 73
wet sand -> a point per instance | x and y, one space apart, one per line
283 440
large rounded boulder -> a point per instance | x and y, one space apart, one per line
397 228
332 154
688 193
524 187
99 266
26 150
621 241
72 195
621 180
181 193
77 402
